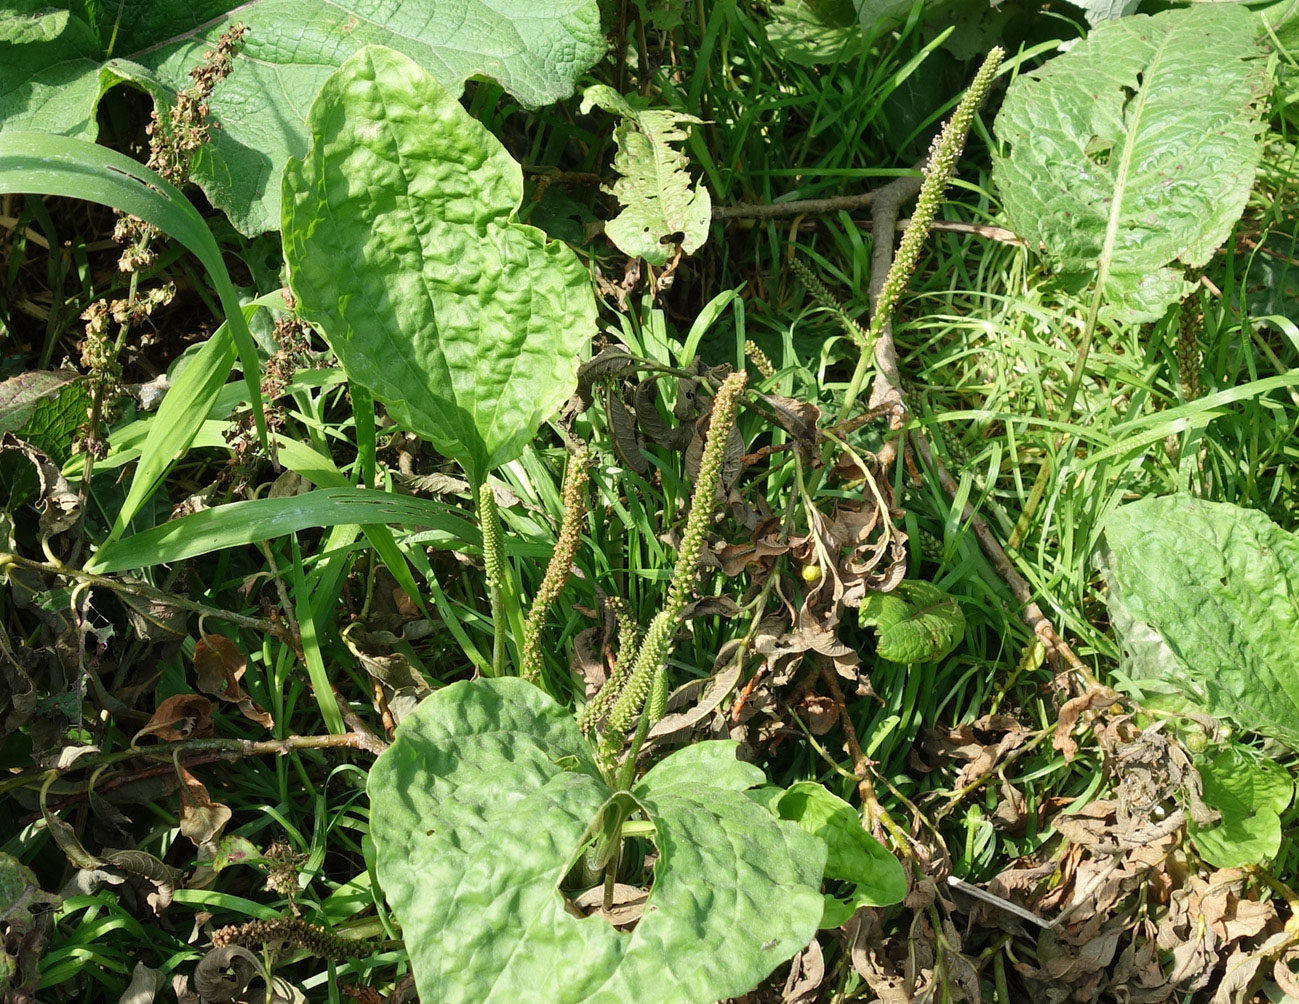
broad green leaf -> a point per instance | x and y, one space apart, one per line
253 520
401 247
1203 595
37 164
854 856
916 622
1131 156
19 395
815 31
45 408
1251 794
52 77
53 424
482 805
659 208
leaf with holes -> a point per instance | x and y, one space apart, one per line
916 622
660 210
1130 157
402 247
483 804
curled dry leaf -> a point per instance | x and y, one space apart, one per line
219 665
981 744
201 819
806 973
60 506
181 716
626 908
223 974
682 725
1093 700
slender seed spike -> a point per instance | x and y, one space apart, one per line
759 359
560 565
628 645
826 299
944 154
489 520
658 639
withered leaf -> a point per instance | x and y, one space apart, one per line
223 974
181 716
607 364
201 819
806 973
1100 697
219 665
622 433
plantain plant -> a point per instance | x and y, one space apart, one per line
492 804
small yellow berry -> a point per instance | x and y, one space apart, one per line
811 573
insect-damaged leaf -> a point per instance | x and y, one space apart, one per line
660 209
401 246
1132 155
480 808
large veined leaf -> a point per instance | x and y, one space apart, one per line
915 622
1131 156
1203 595
51 71
535 48
401 247
874 876
1250 795
480 808
654 190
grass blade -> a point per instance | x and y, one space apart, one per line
241 523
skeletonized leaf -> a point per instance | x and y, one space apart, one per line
1131 156
401 243
660 208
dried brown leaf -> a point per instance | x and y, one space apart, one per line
181 716
201 819
806 972
1100 697
219 665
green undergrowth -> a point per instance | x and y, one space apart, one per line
217 614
